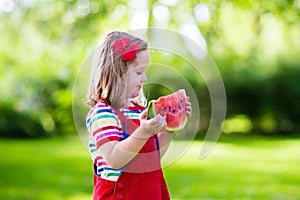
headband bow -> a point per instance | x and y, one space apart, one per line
121 48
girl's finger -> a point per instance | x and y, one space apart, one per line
155 120
144 114
165 124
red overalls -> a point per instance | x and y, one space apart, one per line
142 178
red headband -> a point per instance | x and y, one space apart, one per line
121 48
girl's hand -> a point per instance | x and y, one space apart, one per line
154 125
188 107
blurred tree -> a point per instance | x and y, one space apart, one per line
255 44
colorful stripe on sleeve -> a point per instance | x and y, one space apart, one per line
103 124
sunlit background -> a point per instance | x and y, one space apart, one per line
43 43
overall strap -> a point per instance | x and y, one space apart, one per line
129 126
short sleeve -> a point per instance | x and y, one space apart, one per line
102 124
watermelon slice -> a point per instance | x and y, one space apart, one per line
173 107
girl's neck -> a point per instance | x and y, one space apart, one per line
128 104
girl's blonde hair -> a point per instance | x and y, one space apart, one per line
107 82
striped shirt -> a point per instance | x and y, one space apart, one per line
104 125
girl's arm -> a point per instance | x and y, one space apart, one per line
118 154
165 137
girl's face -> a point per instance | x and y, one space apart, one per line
136 74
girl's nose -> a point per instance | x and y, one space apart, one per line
144 78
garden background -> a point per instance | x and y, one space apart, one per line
254 44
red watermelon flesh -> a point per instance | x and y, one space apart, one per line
173 107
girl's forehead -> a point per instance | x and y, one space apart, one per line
142 59
142 55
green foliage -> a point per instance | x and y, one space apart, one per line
41 108
258 97
15 124
255 45
286 95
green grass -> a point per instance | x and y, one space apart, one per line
243 168
57 168
246 169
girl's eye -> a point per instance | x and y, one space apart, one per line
139 73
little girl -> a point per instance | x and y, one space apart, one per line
126 147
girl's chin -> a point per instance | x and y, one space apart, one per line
134 94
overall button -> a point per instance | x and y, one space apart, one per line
120 185
119 196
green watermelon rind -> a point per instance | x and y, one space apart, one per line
150 111
151 114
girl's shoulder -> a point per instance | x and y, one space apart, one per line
101 107
136 106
